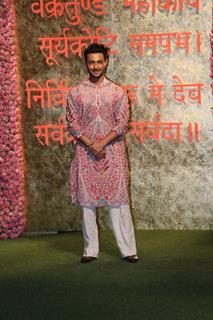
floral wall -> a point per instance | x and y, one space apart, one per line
13 217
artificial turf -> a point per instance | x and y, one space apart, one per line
41 277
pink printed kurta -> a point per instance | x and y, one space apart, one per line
95 110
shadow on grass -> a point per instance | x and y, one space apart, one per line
73 242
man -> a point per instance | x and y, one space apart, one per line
97 115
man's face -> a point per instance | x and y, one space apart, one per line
96 64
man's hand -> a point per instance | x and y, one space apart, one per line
101 154
97 147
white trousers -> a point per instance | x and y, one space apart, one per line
122 227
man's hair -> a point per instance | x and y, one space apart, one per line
96 48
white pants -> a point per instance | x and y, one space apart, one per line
122 227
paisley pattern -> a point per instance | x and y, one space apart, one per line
95 110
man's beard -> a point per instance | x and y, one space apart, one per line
97 76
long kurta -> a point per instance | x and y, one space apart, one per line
95 110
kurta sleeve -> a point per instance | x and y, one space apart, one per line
122 115
72 117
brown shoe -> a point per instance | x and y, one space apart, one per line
132 258
85 259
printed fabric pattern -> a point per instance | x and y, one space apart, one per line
95 110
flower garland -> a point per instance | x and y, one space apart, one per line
12 200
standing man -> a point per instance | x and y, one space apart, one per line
97 115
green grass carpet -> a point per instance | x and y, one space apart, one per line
41 278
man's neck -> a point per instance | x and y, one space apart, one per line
96 80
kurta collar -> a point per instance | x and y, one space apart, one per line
94 85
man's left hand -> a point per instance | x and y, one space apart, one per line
97 147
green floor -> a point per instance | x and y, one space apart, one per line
41 278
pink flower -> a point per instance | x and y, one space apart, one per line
3 236
12 201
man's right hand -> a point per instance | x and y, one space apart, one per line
97 146
99 154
